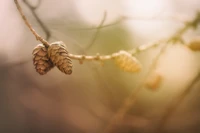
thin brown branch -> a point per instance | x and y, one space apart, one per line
97 31
176 103
42 25
113 55
131 100
38 37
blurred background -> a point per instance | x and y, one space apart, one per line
85 101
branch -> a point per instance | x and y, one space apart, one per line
119 20
139 18
47 44
176 103
33 8
177 37
174 38
97 31
131 100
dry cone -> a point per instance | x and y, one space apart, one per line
40 59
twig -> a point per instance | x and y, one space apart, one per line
176 103
112 56
129 102
33 8
38 37
98 57
72 56
176 37
97 31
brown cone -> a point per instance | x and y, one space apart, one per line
58 54
40 59
195 44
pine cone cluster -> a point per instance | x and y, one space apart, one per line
55 55
127 62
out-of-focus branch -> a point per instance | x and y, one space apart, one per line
176 103
31 6
139 18
97 31
131 100
42 25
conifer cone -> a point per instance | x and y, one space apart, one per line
40 59
194 44
58 54
154 81
127 62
